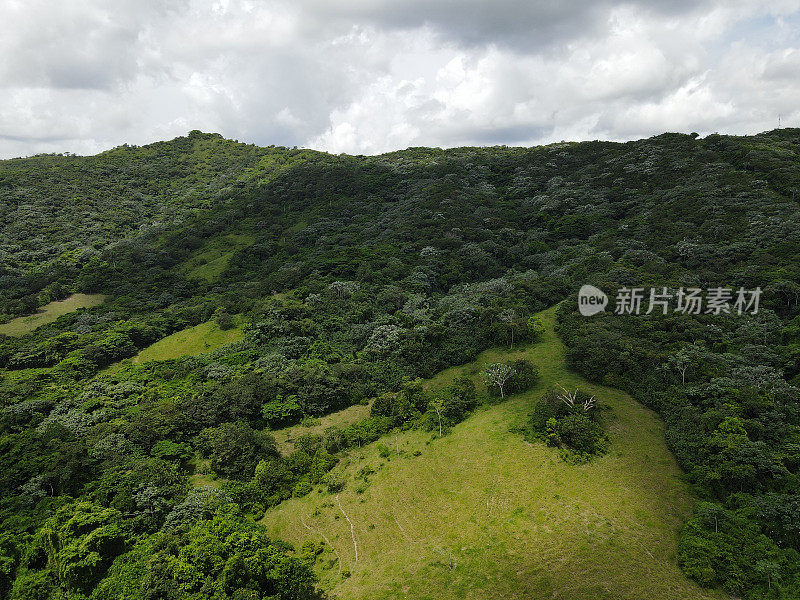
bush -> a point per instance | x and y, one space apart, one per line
511 377
302 488
172 451
334 481
281 411
235 448
224 320
452 407
569 420
525 376
403 407
580 433
460 399
383 451
548 407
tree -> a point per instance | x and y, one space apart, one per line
224 320
512 322
535 327
437 404
281 411
681 361
172 451
223 555
235 448
497 374
9 559
80 541
526 374
343 289
576 399
460 398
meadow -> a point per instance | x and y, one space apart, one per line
481 513
49 313
191 341
212 259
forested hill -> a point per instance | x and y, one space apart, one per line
59 211
709 200
337 279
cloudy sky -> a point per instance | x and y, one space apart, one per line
367 76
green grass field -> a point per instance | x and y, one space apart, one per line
189 342
212 259
284 438
483 514
186 342
202 476
49 313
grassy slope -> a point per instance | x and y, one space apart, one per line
189 342
284 438
212 259
49 313
517 520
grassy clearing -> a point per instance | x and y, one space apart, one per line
202 477
482 514
213 258
189 342
49 313
284 438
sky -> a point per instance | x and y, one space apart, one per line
370 76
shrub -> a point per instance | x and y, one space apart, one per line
334 481
460 399
172 451
581 434
224 320
235 448
526 374
569 420
281 411
511 377
302 488
403 407
383 451
452 407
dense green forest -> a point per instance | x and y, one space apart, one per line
351 278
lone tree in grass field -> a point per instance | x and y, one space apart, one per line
498 374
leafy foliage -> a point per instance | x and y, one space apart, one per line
353 277
570 420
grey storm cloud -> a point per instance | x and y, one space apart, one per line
523 25
366 77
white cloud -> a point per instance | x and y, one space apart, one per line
352 76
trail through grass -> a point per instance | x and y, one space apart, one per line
483 514
49 313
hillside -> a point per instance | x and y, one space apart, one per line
515 519
269 315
